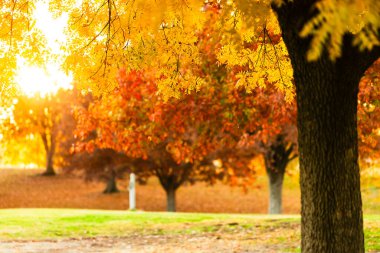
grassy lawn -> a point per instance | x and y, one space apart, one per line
47 224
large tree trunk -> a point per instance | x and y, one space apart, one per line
332 219
170 199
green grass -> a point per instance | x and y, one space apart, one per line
43 224
372 232
62 223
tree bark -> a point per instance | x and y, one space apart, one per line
170 185
111 186
49 165
277 157
275 179
172 181
50 152
170 199
332 219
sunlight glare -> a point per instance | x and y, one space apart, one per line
52 28
33 80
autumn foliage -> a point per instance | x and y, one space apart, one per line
178 109
368 114
178 141
44 118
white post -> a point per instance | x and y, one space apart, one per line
132 192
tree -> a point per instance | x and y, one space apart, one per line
326 89
264 114
104 165
176 141
276 140
101 164
42 116
280 141
279 146
332 218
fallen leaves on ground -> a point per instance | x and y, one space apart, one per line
23 188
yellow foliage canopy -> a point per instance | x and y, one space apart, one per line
105 35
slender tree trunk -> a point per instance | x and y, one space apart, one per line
111 186
170 185
49 165
170 199
332 219
277 157
171 182
50 152
275 180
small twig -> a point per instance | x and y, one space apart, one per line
277 58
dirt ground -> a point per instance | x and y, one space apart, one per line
23 188
210 243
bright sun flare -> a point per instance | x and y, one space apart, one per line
33 80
